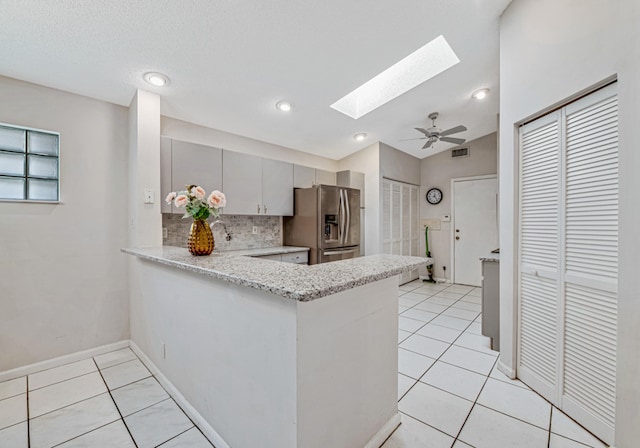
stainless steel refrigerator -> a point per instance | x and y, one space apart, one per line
327 220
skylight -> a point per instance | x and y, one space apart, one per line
423 64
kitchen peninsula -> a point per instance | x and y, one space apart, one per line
274 354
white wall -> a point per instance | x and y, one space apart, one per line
367 161
185 131
398 165
63 280
437 171
549 51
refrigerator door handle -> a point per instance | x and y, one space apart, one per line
339 252
348 222
341 218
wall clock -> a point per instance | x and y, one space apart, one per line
434 196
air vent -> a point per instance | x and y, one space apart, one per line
460 152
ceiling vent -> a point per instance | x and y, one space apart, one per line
460 152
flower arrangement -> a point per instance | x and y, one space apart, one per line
195 205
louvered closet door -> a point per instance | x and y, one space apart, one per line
539 259
386 217
591 261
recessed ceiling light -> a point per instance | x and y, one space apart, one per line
156 79
284 106
360 137
421 65
480 94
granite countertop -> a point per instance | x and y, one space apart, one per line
491 257
263 251
292 281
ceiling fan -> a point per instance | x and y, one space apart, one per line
434 134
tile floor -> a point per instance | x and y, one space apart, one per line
450 393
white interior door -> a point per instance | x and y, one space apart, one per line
475 227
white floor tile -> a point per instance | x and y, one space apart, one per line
125 373
409 302
476 292
410 325
15 436
565 426
468 306
431 307
474 328
413 364
115 357
451 322
139 395
460 444
402 335
460 289
13 410
63 394
62 373
471 299
476 342
424 316
442 301
436 408
460 313
456 380
402 308
469 359
486 428
449 295
517 402
413 297
440 333
70 422
427 290
157 424
404 384
192 438
425 346
13 387
413 434
556 441
113 435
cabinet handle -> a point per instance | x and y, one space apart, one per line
265 209
258 208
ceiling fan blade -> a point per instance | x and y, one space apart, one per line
430 142
424 131
455 130
457 141
406 139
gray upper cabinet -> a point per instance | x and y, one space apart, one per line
165 173
303 176
242 180
324 177
184 163
277 188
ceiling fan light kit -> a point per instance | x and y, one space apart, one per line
435 134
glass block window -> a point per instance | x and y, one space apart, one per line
29 164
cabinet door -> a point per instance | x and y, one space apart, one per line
277 188
303 176
195 164
165 173
325 177
242 180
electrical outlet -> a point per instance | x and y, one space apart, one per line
149 196
255 230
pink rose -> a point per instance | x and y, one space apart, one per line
181 200
217 199
198 192
170 197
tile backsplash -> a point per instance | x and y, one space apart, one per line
239 226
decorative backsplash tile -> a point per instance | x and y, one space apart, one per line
239 226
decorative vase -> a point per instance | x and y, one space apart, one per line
200 238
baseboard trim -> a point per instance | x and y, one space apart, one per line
61 360
385 432
511 373
194 415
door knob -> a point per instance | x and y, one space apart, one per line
457 237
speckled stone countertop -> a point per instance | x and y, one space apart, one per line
292 281
263 251
491 257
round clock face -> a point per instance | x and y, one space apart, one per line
434 196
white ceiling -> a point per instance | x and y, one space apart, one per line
230 61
